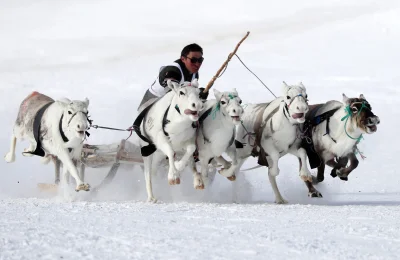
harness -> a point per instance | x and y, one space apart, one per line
36 130
37 123
151 147
311 122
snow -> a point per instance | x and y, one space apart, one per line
110 52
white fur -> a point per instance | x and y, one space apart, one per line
53 143
285 133
181 133
216 132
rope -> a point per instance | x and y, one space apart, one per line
248 134
255 75
130 129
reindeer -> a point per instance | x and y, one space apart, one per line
334 129
169 126
276 127
54 129
216 135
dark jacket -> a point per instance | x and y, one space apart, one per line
174 73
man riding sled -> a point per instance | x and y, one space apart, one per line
181 70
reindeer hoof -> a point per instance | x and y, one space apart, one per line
199 187
281 201
27 152
9 157
152 200
334 173
232 178
344 178
315 194
83 186
174 181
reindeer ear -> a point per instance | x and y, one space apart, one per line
217 94
172 85
362 97
235 91
285 88
87 102
302 86
345 99
195 83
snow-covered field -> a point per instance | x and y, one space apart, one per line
110 52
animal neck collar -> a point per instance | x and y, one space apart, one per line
165 120
286 110
64 137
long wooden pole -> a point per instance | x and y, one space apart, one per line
209 85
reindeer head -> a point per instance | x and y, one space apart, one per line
187 98
360 111
295 97
229 103
75 115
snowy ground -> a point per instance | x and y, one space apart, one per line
110 51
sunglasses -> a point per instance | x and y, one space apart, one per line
194 60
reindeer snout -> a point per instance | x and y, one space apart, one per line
198 106
237 111
374 120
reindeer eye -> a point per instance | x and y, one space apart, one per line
287 97
69 113
306 96
181 93
355 110
240 101
223 102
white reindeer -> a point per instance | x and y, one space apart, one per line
276 128
54 129
217 135
170 124
335 129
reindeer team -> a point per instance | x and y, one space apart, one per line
178 122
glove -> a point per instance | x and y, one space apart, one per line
203 95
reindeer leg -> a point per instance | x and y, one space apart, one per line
197 179
337 166
70 167
320 174
165 147
312 192
10 156
148 168
345 171
229 172
57 166
273 171
334 165
190 148
304 173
